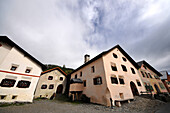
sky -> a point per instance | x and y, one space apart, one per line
61 32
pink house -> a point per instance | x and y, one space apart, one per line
107 79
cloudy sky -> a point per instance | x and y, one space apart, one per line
63 31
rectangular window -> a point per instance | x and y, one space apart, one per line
139 84
149 75
143 74
51 86
114 68
8 83
97 81
114 80
44 86
61 78
121 80
92 69
81 74
161 85
23 84
28 70
84 83
146 75
124 68
133 71
14 97
14 67
76 76
3 97
50 78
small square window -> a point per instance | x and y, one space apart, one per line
84 83
124 68
121 80
3 97
114 80
139 84
115 56
114 68
61 78
124 59
27 70
133 71
14 67
92 69
50 78
14 97
76 76
51 86
44 86
97 81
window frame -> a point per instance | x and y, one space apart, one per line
51 86
44 85
50 77
133 70
92 69
124 68
11 80
138 83
97 81
115 55
114 80
18 84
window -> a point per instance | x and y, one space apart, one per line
121 95
148 87
8 83
124 59
61 78
97 81
144 67
14 97
81 74
114 68
124 68
28 70
114 55
114 80
44 86
23 84
133 71
143 74
76 76
51 86
139 84
161 85
149 75
121 80
50 78
13 67
84 83
146 75
2 97
92 69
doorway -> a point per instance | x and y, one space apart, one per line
157 89
134 89
59 89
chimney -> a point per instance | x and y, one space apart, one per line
86 58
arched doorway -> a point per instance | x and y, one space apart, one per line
157 89
59 89
134 89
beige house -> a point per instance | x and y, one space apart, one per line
151 78
107 79
19 72
51 82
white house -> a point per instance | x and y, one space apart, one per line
19 72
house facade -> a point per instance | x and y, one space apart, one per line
166 79
51 82
107 79
151 78
19 72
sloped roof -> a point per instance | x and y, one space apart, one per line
5 39
149 66
56 68
104 53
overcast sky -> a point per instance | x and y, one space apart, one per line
63 31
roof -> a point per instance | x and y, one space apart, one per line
75 80
149 66
5 39
165 74
104 53
56 68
